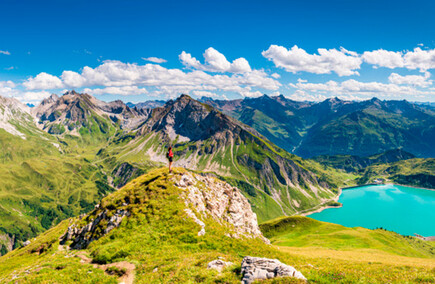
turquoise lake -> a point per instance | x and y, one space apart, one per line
401 209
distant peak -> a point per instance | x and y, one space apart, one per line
185 97
72 92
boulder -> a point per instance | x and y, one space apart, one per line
256 268
218 264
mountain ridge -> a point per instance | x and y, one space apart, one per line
335 126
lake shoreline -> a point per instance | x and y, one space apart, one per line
340 191
321 208
391 189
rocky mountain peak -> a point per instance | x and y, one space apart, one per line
75 110
187 119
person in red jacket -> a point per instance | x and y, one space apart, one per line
170 156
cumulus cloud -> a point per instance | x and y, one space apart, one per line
200 94
7 88
302 96
276 75
123 91
32 97
414 80
214 61
384 58
418 59
342 62
170 82
352 89
43 81
154 59
5 52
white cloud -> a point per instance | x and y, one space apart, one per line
7 88
200 94
414 80
250 94
384 58
300 95
169 82
418 59
43 81
352 89
154 59
215 62
276 75
5 52
72 79
32 97
123 91
342 62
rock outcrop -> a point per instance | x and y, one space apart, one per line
81 237
256 268
221 201
7 243
219 264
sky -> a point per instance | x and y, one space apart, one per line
146 50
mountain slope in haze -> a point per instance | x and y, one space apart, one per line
14 115
351 163
207 140
337 127
146 104
156 241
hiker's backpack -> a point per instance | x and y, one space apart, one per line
169 154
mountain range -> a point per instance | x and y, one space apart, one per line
337 127
63 155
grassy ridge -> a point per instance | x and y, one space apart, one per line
163 245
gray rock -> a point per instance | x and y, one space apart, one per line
223 202
26 243
81 237
256 268
218 264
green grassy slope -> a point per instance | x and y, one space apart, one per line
44 182
412 172
163 245
300 231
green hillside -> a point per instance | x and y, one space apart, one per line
412 172
300 231
162 245
42 184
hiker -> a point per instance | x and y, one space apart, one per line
170 156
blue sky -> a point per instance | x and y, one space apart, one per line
368 48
